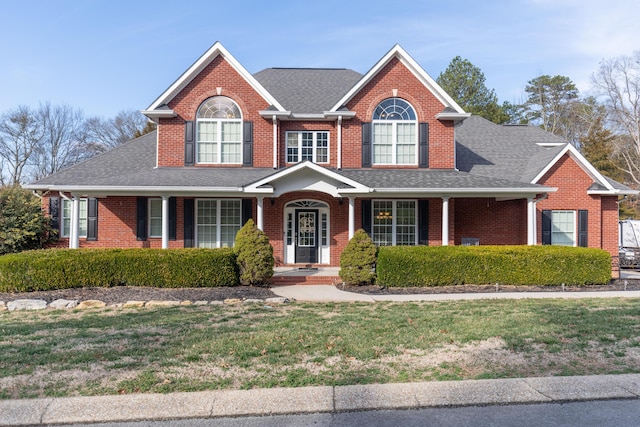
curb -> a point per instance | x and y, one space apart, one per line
324 399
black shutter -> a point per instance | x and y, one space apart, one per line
189 218
583 225
366 216
247 210
247 144
172 218
141 219
189 143
366 145
54 214
423 222
423 147
546 227
92 218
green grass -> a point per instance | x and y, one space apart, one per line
62 353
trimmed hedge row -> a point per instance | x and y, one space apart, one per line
72 268
508 265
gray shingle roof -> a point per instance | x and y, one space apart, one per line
507 152
307 90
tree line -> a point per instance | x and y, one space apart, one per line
36 142
603 124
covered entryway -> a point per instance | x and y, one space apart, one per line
307 232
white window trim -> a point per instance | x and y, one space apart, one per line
314 147
219 141
218 219
394 130
62 218
151 236
394 217
575 226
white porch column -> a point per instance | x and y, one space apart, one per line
352 216
74 238
165 222
445 221
260 218
531 221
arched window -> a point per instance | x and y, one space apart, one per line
219 136
395 133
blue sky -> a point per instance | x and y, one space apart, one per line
104 56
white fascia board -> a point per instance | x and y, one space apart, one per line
159 114
268 114
213 52
470 192
135 190
453 116
582 162
305 165
613 193
336 114
413 66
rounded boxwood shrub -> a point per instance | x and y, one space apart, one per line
358 260
254 255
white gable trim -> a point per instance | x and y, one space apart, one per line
582 162
214 51
413 66
259 186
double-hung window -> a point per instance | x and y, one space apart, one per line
565 227
155 217
217 222
395 135
219 132
67 206
311 146
394 222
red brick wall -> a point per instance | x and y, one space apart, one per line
572 183
494 223
396 76
218 74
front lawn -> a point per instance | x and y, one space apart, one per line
66 353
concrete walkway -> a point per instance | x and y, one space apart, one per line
330 293
302 400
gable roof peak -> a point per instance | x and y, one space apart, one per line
398 52
217 49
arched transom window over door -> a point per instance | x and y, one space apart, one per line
395 133
219 136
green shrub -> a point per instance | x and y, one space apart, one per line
254 255
358 260
507 265
23 226
73 268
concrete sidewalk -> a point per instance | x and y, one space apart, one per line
330 293
280 401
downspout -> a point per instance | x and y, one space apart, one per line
339 142
275 141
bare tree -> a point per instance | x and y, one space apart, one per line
63 140
618 82
107 134
20 135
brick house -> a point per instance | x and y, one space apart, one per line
314 154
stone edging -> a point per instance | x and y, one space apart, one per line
64 304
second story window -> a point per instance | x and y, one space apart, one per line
395 135
219 135
311 146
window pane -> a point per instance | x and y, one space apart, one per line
155 218
307 146
231 144
382 222
405 223
292 147
322 147
67 206
230 220
563 228
206 219
207 142
382 143
66 218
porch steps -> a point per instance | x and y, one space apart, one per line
305 276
